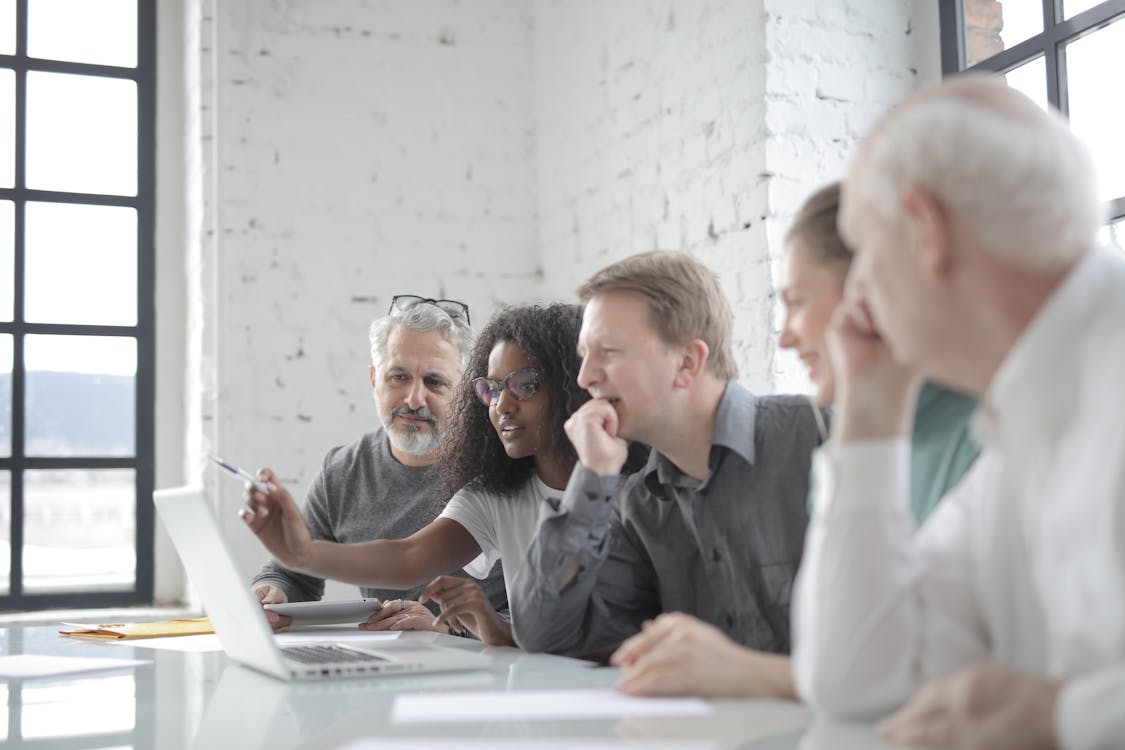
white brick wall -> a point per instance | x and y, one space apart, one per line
496 151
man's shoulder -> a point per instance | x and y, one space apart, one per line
787 413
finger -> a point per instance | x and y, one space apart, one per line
651 681
435 588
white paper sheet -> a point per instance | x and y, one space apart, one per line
37 665
526 743
538 705
192 644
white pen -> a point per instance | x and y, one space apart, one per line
240 473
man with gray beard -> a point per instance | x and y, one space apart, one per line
380 485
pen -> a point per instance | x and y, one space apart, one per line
240 473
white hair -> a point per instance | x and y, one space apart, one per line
422 318
1013 175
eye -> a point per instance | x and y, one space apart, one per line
435 385
399 377
525 390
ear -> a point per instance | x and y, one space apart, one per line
371 374
693 358
927 228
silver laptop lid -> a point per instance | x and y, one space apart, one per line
243 632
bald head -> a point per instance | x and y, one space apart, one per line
1012 175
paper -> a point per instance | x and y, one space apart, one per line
35 665
538 705
527 743
130 630
192 644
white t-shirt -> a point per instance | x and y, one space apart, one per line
503 525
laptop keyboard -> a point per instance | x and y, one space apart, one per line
326 654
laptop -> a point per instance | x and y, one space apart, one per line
243 632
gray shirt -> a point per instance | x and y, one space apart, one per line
362 493
724 549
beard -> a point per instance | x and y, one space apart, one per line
411 438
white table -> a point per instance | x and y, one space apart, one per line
203 700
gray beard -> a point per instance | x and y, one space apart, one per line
414 441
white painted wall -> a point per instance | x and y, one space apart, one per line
494 151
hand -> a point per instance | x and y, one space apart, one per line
273 595
677 654
875 395
402 614
465 607
277 522
593 431
978 707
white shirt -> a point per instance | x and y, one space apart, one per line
503 525
1022 564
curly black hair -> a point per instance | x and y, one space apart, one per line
471 452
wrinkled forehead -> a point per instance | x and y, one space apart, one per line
421 352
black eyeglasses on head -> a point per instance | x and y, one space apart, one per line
522 384
453 308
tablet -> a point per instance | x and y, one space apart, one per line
308 613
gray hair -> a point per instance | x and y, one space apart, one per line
1015 176
423 318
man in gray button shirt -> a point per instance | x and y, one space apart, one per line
381 486
712 527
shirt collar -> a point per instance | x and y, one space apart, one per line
734 431
1033 390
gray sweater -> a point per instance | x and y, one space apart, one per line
362 493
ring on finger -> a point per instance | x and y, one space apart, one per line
401 605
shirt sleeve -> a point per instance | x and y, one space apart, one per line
1090 712
870 594
585 585
299 587
470 509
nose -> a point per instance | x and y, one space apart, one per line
416 396
587 373
787 339
505 403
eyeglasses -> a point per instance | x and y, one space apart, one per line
453 308
522 384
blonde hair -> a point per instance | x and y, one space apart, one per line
684 298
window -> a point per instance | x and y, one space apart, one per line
77 119
1066 53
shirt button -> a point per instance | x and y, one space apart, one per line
715 555
729 620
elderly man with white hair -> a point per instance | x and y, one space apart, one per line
380 485
973 216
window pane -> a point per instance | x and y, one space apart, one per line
81 134
1074 7
1097 107
1114 234
5 529
7 253
5 395
79 530
1030 79
102 32
80 395
992 27
7 127
97 247
7 27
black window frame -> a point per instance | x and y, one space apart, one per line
144 202
1050 43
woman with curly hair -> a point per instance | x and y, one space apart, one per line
505 456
